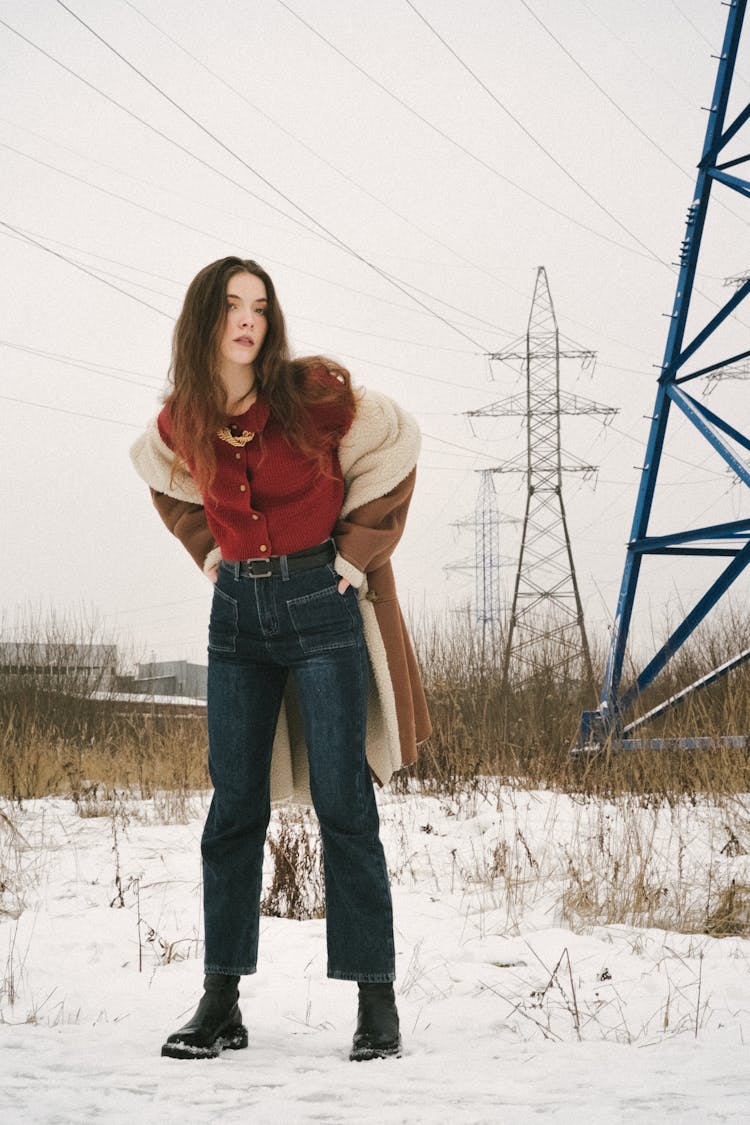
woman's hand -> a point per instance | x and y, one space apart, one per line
212 574
343 586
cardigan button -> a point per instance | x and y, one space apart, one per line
263 547
238 456
255 516
243 488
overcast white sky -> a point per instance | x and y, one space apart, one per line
461 219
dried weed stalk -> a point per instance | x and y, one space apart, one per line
297 887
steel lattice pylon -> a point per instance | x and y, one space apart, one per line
485 565
546 624
730 540
487 553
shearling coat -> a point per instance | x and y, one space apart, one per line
378 461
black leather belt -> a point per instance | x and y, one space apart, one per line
300 560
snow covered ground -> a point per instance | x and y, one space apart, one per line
517 1004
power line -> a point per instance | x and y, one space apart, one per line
84 365
158 605
217 140
316 154
648 251
312 320
179 195
297 316
695 28
142 180
374 363
616 105
399 370
432 296
73 413
90 273
379 336
462 148
658 74
423 310
152 128
464 448
106 191
402 284
527 132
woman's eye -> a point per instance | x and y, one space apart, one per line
260 312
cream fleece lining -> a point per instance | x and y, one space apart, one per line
153 460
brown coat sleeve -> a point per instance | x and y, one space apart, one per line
367 536
188 522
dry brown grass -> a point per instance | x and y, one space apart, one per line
523 733
70 747
64 733
296 889
57 741
613 865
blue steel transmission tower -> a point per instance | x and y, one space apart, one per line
729 540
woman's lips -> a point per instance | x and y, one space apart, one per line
246 340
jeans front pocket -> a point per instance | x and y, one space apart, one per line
223 623
325 619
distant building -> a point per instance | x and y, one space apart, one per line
172 677
58 665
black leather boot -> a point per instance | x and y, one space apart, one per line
377 1034
215 1025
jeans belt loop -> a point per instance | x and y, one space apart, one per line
284 564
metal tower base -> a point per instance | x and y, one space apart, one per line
730 540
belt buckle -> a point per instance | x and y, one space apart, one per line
255 566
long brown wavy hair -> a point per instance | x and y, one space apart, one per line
197 402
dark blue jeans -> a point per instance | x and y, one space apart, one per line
262 630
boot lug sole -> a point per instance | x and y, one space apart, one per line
237 1041
365 1054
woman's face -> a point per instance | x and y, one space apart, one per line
245 326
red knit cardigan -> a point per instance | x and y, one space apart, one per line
268 498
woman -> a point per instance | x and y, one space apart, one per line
290 491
